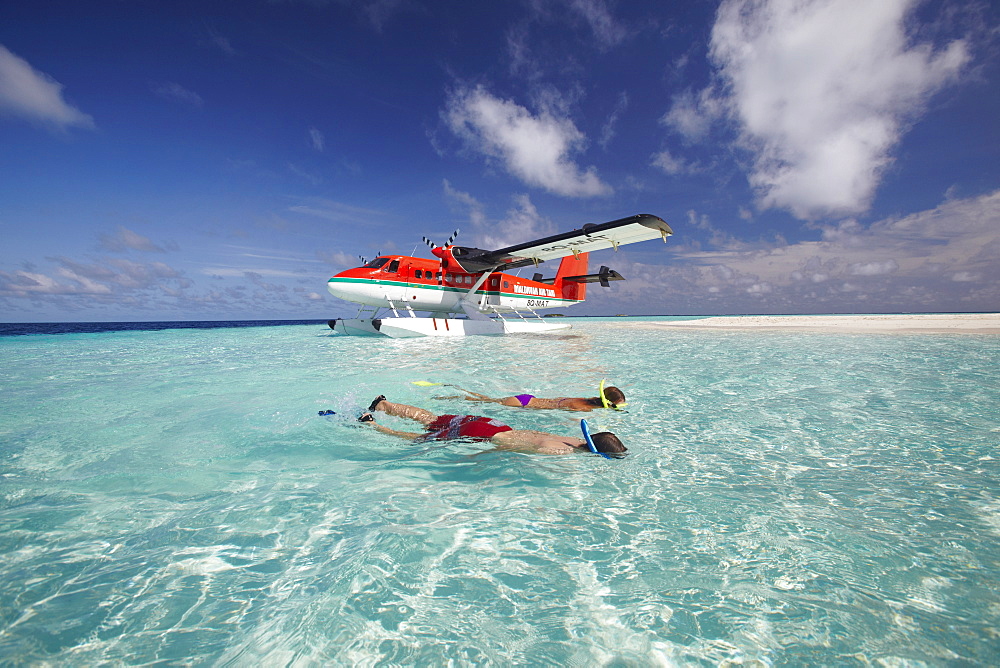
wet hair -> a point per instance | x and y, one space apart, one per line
608 443
614 395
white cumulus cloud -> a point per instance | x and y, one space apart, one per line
692 116
32 95
536 148
522 223
822 91
941 259
669 163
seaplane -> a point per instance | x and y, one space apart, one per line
468 291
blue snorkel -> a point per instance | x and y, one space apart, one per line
590 442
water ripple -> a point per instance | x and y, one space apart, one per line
172 497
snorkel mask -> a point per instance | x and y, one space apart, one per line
590 442
607 402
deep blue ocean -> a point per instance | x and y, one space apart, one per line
169 495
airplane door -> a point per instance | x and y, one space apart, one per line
492 288
393 284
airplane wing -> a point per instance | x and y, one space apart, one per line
642 227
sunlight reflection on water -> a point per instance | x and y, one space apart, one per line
789 499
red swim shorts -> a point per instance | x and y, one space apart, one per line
473 427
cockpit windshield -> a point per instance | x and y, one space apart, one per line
376 263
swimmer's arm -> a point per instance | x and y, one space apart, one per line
408 435
482 398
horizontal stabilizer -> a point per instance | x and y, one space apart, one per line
601 277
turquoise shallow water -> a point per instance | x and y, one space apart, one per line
790 499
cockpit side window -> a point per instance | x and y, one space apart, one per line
393 267
376 263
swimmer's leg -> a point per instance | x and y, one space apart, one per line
422 416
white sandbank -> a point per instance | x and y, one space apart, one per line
958 323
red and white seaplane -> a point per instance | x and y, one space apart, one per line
473 282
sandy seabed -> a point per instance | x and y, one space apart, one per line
957 323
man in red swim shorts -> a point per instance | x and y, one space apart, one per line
472 427
479 428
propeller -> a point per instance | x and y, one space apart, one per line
451 240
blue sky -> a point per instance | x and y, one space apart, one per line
220 160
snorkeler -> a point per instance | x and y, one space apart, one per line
478 428
610 397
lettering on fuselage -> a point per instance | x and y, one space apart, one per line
531 290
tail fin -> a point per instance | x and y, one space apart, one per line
572 265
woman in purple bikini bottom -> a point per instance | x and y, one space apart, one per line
610 397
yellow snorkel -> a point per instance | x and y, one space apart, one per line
606 402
